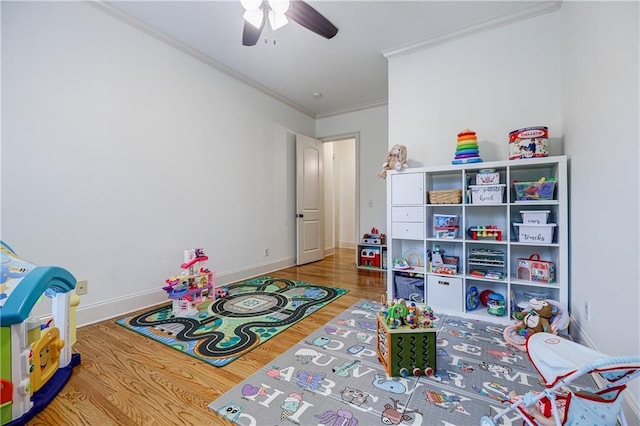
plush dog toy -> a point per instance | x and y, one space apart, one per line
396 160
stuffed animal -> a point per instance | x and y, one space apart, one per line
538 319
396 160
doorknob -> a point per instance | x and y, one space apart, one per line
299 215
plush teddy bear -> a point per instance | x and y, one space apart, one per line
396 160
538 319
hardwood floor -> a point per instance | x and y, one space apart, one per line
127 379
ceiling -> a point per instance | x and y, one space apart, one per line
290 64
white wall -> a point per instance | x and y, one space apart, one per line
371 128
119 152
576 72
601 128
492 83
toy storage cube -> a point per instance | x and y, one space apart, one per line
403 349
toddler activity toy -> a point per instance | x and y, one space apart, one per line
192 286
485 231
36 360
406 339
467 150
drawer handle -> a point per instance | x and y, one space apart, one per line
443 282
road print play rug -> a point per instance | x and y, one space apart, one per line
253 312
334 378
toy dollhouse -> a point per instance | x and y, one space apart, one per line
192 286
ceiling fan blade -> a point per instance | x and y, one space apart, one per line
311 19
251 34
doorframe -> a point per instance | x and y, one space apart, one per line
356 136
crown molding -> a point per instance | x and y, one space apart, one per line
536 9
139 25
355 108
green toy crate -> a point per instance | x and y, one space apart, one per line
406 351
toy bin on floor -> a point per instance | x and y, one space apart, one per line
404 350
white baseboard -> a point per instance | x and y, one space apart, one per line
347 245
630 406
120 306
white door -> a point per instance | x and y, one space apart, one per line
309 200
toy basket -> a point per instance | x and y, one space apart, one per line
446 196
405 287
532 191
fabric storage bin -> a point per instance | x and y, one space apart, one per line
406 286
445 293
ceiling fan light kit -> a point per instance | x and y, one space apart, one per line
277 20
278 13
254 17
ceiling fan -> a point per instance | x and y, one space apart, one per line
278 13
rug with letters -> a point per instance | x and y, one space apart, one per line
334 378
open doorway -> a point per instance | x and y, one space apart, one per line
341 215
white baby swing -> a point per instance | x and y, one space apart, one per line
559 362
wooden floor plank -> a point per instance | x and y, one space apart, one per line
127 379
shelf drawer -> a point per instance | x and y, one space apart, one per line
445 293
413 230
407 214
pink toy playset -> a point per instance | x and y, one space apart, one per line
193 286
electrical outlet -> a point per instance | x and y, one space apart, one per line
82 287
587 310
266 251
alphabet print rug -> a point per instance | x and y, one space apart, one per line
253 312
334 378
